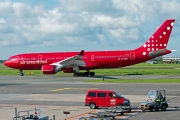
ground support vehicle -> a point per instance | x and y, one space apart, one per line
105 98
156 100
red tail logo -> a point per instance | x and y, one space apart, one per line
159 39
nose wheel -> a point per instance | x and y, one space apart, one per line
21 73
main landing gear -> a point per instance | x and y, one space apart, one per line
83 74
21 73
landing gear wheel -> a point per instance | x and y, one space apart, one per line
21 74
92 73
75 74
86 73
92 105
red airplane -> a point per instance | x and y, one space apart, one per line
73 62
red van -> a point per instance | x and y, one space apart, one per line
105 98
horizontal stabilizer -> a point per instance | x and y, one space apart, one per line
173 50
156 53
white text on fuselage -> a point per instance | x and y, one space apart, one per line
34 62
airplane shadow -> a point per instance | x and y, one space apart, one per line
103 77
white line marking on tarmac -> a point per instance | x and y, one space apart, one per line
61 89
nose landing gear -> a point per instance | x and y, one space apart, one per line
21 73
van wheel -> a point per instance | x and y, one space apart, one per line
119 106
92 105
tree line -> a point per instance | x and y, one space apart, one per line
2 61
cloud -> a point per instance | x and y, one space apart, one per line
97 6
2 21
113 22
83 23
6 7
149 10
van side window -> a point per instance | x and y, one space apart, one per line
111 95
91 94
101 95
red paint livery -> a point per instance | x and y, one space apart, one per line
105 98
72 62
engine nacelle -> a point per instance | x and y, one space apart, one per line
68 70
49 69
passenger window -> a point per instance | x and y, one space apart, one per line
91 94
101 95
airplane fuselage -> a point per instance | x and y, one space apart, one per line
101 59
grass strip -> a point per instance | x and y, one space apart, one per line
142 68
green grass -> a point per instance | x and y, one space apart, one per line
8 71
136 81
12 72
142 68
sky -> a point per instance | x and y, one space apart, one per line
74 25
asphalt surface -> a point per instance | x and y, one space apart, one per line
54 94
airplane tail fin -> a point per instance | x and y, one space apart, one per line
159 40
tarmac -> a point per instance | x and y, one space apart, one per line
55 94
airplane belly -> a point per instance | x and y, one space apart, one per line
29 67
70 69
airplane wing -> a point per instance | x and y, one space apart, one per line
71 61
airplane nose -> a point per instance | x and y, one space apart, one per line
7 63
10 63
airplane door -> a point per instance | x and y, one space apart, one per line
17 59
40 57
92 57
132 55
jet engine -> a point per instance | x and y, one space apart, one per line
68 70
49 69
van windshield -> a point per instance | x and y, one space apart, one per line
119 95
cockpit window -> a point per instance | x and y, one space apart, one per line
13 58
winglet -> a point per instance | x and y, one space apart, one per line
81 53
